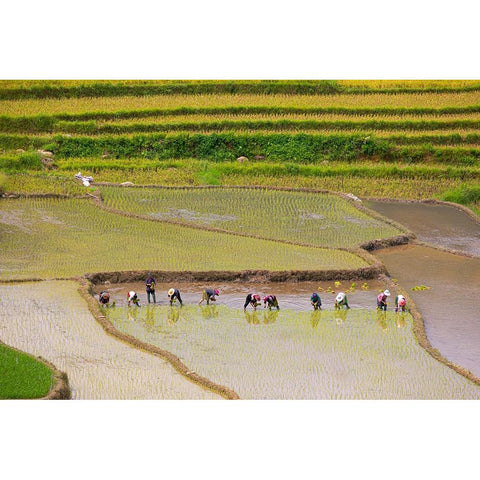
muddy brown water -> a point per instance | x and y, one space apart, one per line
442 225
451 307
292 296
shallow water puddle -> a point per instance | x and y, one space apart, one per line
441 225
50 319
297 354
451 307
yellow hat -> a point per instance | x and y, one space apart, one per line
171 292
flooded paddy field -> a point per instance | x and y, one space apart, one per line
442 225
294 296
50 319
451 306
289 354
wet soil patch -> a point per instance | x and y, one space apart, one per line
438 224
292 296
450 307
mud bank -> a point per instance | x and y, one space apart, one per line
437 223
365 273
450 307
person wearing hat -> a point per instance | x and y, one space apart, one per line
133 298
316 301
341 301
173 294
253 300
104 298
382 300
270 301
150 284
209 295
400 303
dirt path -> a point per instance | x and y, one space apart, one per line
51 319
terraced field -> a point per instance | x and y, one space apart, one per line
318 219
51 238
358 354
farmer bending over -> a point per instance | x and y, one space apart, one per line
382 300
341 301
253 300
400 303
316 301
150 284
133 298
270 301
209 295
104 298
173 294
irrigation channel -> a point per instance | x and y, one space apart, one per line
293 353
451 306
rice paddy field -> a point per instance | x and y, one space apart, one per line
301 217
61 238
356 354
377 139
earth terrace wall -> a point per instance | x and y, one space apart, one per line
86 291
421 335
61 388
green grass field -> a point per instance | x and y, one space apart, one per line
318 219
22 376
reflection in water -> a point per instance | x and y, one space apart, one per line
315 317
209 311
149 315
252 317
173 315
270 316
382 319
401 319
340 315
132 314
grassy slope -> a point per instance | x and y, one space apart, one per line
22 376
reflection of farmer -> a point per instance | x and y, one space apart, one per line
340 315
209 295
210 311
401 320
150 284
174 294
341 301
315 317
382 319
104 298
252 317
316 301
133 298
253 300
270 316
270 301
382 300
400 303
173 315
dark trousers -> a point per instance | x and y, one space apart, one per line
152 293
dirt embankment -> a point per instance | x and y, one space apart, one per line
86 291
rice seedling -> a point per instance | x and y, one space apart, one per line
52 238
298 355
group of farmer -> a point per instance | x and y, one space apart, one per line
253 300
